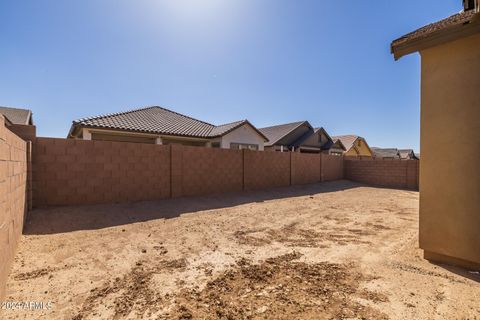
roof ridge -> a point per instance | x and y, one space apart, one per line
23 109
285 124
113 114
297 124
183 115
135 110
224 124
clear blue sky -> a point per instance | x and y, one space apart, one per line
270 61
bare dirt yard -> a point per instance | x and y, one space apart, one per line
335 250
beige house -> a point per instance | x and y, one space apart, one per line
157 125
449 135
355 145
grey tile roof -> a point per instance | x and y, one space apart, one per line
276 133
464 17
222 129
159 120
385 152
16 115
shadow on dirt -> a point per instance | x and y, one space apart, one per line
67 219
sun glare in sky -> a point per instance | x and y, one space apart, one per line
195 10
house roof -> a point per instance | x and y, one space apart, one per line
301 141
223 129
407 154
159 120
339 143
346 140
7 121
276 133
385 152
458 23
16 115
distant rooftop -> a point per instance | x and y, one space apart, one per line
276 133
159 120
347 140
17 115
385 152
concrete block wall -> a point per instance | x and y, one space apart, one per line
13 207
306 168
391 173
207 170
76 172
332 167
263 170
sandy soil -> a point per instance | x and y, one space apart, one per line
334 250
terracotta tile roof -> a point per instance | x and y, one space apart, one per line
276 133
16 115
346 140
222 129
458 19
159 120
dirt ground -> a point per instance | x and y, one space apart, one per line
336 250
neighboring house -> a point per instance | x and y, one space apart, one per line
337 148
355 146
407 154
385 153
394 153
297 137
450 116
17 116
157 125
20 122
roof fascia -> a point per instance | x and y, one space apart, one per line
437 38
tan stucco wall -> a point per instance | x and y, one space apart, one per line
450 148
243 134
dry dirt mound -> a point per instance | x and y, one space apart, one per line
131 293
283 288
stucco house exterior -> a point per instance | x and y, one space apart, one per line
355 145
158 125
297 137
449 116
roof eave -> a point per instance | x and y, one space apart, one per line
29 118
341 144
7 121
81 126
436 38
